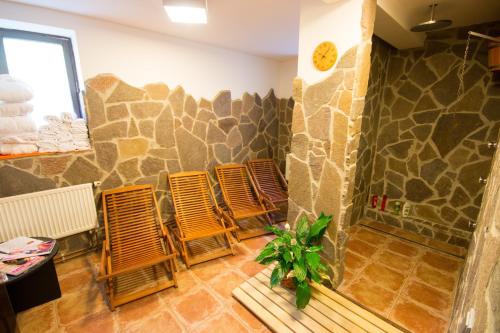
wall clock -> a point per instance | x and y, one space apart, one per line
325 56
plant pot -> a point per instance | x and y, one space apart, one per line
288 283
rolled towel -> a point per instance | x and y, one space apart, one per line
79 131
25 124
20 138
66 146
15 109
67 117
13 90
13 149
8 125
77 137
79 123
64 137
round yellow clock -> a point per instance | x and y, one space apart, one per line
325 56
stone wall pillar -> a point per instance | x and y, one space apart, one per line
326 129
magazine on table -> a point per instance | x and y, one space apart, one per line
16 269
24 247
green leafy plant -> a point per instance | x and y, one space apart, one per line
296 256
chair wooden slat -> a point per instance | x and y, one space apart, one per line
197 214
135 239
241 196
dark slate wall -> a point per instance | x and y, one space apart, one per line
431 145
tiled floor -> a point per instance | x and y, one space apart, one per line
201 303
410 284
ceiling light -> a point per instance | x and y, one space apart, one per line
186 11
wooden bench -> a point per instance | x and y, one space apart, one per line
328 311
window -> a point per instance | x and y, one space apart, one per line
47 63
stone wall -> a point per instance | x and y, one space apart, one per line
369 127
141 135
432 146
479 287
326 129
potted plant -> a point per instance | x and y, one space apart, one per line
296 256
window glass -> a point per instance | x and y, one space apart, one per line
42 65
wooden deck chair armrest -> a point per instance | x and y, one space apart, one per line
225 216
170 243
134 268
104 255
269 203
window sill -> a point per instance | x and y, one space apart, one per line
10 157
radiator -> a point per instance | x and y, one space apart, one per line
53 213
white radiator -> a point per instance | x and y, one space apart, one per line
54 213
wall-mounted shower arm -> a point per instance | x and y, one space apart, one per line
477 34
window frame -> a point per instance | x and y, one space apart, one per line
69 58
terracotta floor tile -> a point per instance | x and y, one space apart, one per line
186 283
226 323
99 322
252 267
257 243
411 236
225 283
164 322
371 237
383 276
417 319
73 265
441 262
448 248
353 261
77 281
39 319
207 270
403 248
196 307
241 256
81 304
429 296
370 295
395 261
361 248
435 278
247 316
137 310
381 226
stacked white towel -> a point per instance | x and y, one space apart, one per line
18 134
64 133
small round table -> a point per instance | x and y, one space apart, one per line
37 285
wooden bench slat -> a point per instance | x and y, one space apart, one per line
274 323
288 307
318 311
272 307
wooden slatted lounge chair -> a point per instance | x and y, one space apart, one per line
138 255
270 181
243 199
198 217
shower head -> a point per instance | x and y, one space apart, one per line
432 24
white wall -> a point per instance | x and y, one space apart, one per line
287 71
141 57
339 22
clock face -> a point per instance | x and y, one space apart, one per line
325 56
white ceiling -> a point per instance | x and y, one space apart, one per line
395 17
269 28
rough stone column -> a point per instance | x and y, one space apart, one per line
326 129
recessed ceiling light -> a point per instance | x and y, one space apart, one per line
186 11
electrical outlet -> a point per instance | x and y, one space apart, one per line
97 183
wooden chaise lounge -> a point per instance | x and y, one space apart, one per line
138 256
243 199
200 221
269 180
